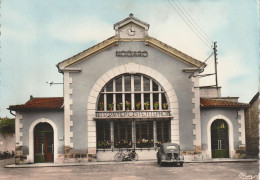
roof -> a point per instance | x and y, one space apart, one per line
110 42
256 97
174 52
113 41
56 103
209 103
40 103
228 99
129 19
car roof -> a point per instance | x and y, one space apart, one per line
169 144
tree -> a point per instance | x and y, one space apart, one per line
7 126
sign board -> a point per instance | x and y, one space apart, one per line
131 53
132 114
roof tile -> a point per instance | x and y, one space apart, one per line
55 103
206 102
48 103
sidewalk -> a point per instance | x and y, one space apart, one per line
124 162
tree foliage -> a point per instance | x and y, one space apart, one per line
7 126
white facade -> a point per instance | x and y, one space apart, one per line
123 71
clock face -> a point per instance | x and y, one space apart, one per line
131 31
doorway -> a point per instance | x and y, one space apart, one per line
43 143
219 139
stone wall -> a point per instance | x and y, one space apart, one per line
7 143
252 127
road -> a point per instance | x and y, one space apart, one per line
137 170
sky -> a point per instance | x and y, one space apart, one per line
38 34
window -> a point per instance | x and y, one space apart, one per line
137 83
163 131
123 134
119 84
124 131
144 134
132 92
127 83
129 92
103 135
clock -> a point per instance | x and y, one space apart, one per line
131 31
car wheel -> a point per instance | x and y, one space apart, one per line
181 164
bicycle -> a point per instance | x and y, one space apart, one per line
121 156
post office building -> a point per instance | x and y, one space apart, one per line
130 91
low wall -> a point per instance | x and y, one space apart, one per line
109 155
7 143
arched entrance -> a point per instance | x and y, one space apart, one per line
132 112
131 69
219 139
43 143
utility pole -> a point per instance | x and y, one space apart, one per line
216 63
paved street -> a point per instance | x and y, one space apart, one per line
135 170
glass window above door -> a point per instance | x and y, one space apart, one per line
132 92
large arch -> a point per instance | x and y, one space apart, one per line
30 157
131 68
230 134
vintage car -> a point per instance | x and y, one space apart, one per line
169 153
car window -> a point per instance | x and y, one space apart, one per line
171 147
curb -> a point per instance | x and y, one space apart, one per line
223 161
37 165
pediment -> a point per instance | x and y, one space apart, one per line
131 28
114 41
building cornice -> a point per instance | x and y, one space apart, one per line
113 41
191 70
132 19
89 52
173 52
70 69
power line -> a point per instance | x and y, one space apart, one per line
204 62
210 62
209 41
199 33
195 22
208 57
189 25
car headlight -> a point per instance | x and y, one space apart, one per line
163 157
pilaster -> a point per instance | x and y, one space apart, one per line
241 129
67 110
18 127
196 111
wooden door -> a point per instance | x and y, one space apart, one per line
219 139
43 143
48 147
